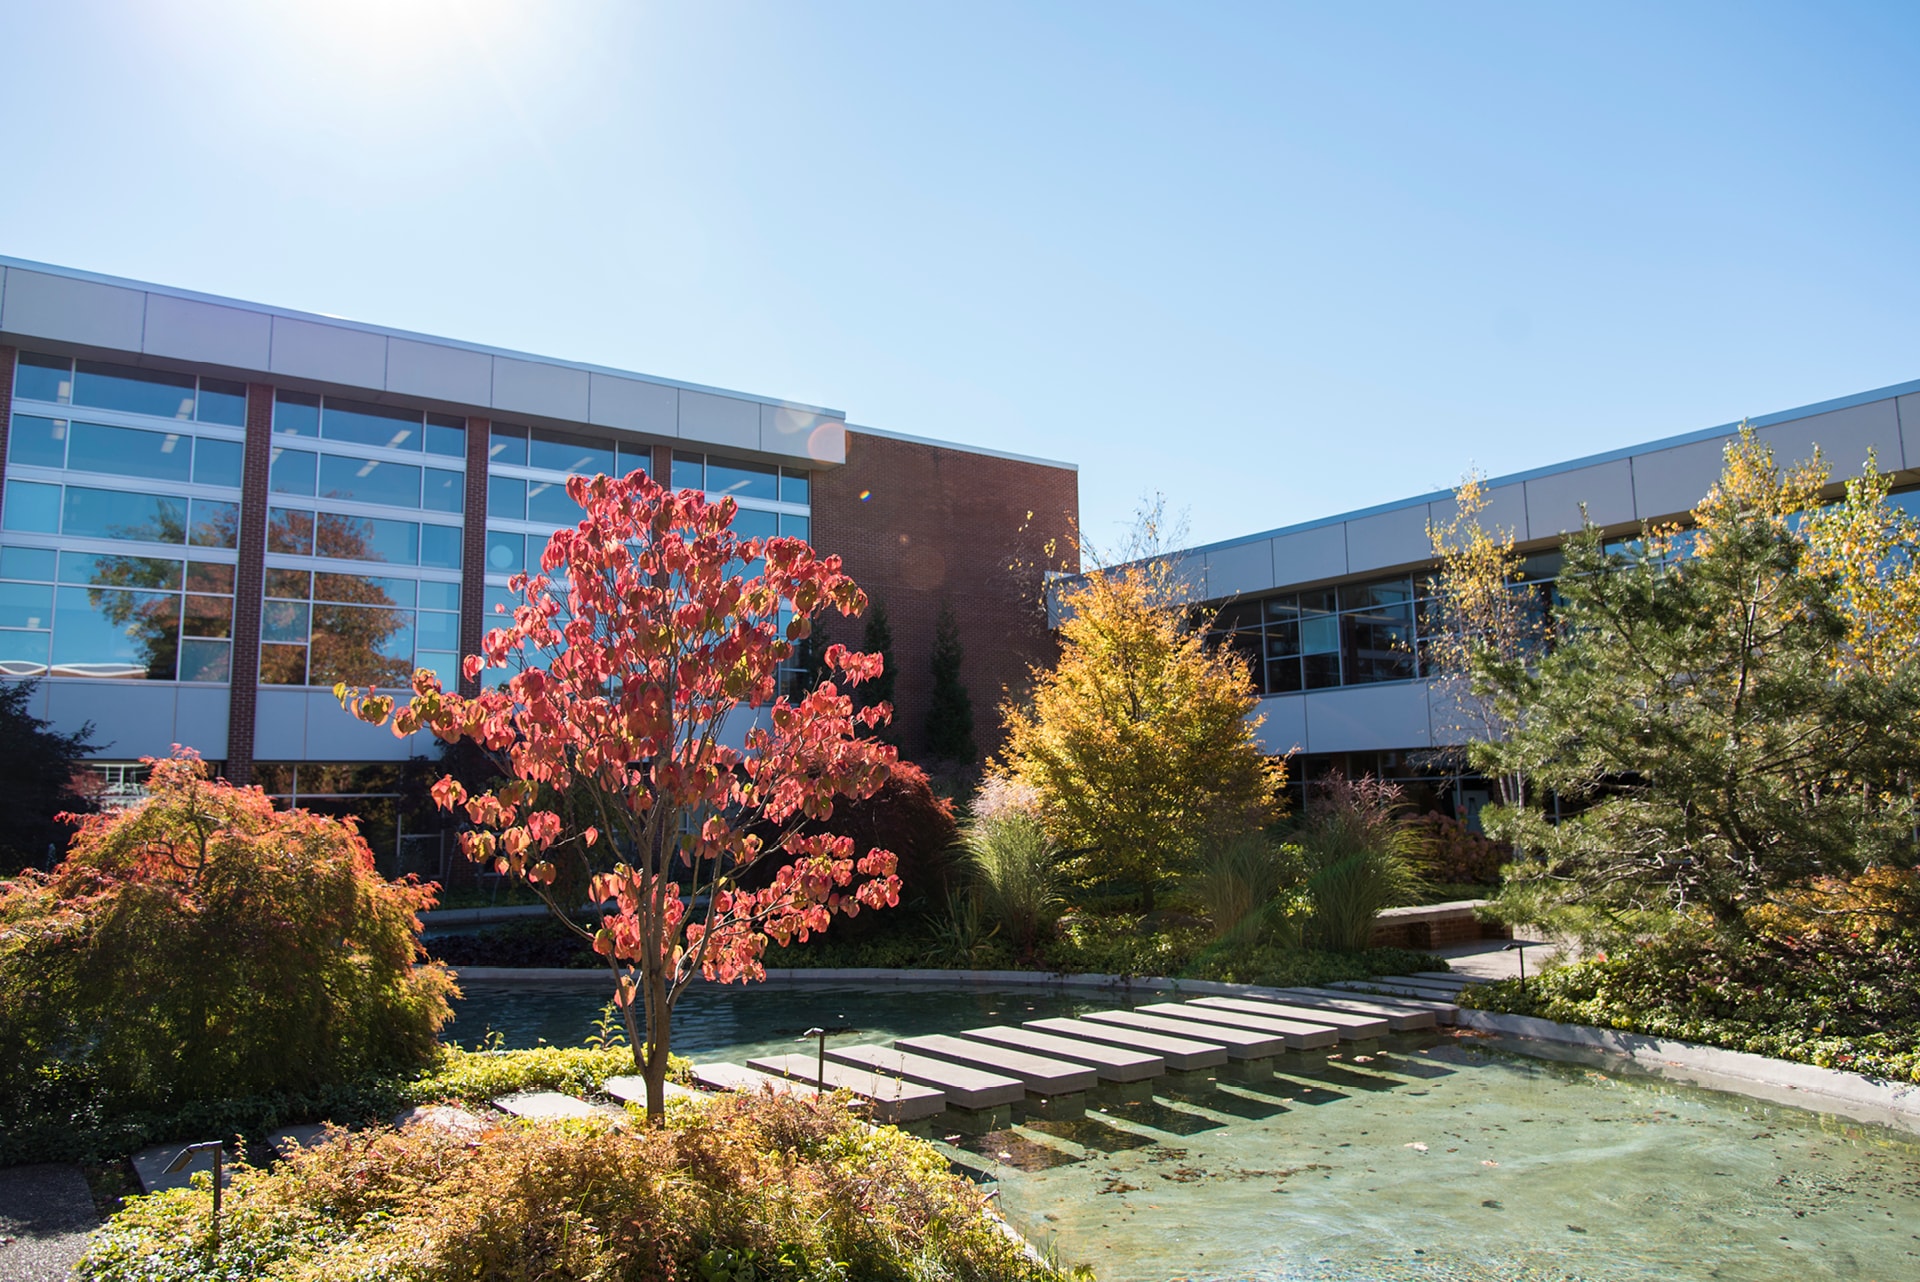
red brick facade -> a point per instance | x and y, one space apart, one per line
939 524
473 549
249 585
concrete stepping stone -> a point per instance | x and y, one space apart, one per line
1392 1009
447 1117
893 1100
1111 1063
1241 1043
284 1141
963 1086
151 1164
1395 988
1038 1073
546 1106
1351 1027
732 1077
631 1088
1298 1036
1458 979
1182 1054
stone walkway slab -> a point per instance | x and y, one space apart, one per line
964 1086
1351 1027
1182 1054
546 1106
1296 1035
447 1117
1038 1073
1240 1043
1112 1063
631 1088
289 1138
1392 1009
893 1100
732 1077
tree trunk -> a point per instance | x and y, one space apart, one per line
659 1019
1146 897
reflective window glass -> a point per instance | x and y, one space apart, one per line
137 391
360 646
296 413
507 444
751 523
99 632
506 553
283 665
293 584
130 451
24 654
37 442
689 471
32 508
209 576
444 664
443 491
438 631
362 424
499 599
362 589
43 378
440 546
795 487
115 514
369 481
290 530
439 596
103 570
1386 592
574 455
742 480
26 605
27 563
217 462
202 660
215 524
363 538
447 434
284 621
547 501
796 527
208 616
292 471
223 402
635 457
507 497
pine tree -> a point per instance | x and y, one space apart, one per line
37 768
878 640
950 712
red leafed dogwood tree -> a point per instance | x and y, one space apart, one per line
650 627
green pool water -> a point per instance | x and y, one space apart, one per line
1436 1157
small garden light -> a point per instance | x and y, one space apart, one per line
185 1160
820 1067
1520 946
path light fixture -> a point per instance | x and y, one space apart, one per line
1520 946
820 1065
181 1163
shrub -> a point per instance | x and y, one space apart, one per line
1013 875
906 817
1361 854
1456 855
767 1187
203 946
1240 881
42 776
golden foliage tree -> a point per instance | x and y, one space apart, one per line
1140 739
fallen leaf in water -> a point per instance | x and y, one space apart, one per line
1485 1162
1416 1146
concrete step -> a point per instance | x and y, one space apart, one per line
732 1077
1112 1063
1038 1073
1455 977
1183 1054
1241 1043
631 1088
545 1106
1351 1027
963 1086
1400 1018
893 1100
1298 1036
1424 987
1395 988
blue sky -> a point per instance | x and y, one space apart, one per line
1274 261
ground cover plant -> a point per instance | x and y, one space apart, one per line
763 1188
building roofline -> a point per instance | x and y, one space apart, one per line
963 448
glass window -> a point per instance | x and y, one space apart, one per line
37 442
129 451
43 378
508 444
290 530
208 616
547 501
796 527
209 576
362 424
223 402
284 621
689 471
440 546
751 523
137 391
215 524
795 487
439 596
444 664
203 660
100 632
115 514
574 455
1366 596
507 497
24 654
447 434
362 589
499 600
155 572
218 462
742 480
443 491
283 665
438 631
26 605
506 553
33 508
634 456
293 584
292 471
27 563
364 538
369 481
365 646
296 413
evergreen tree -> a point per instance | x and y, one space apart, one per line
950 712
37 767
878 640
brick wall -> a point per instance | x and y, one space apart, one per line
249 585
473 550
7 355
941 524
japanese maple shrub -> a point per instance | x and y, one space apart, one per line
652 628
203 945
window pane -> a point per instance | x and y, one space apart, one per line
137 391
284 621
294 585
209 576
796 527
283 665
43 378
508 444
634 456
1283 671
217 462
574 455
367 481
290 530
751 523
205 661
361 538
208 616
689 471
362 589
364 424
443 664
1322 671
292 471
490 610
743 480
26 605
156 572
223 402
33 508
102 633
447 434
795 487
297 413
438 631
37 442
215 524
361 646
1319 633
27 563
439 596
507 497
23 654
444 491
440 546
128 451
114 514
506 553
547 501
1363 596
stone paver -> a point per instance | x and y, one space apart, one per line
546 1106
46 1213
1351 1027
1297 1036
631 1088
1112 1063
1182 1054
892 1099
963 1085
1240 1043
732 1077
1041 1075
1387 1007
448 1117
